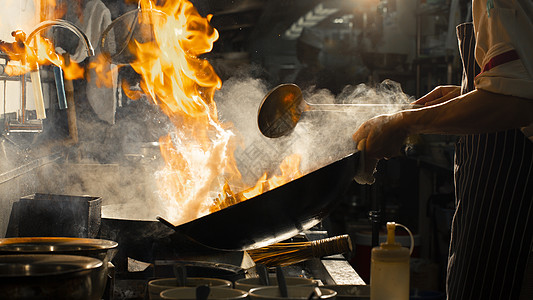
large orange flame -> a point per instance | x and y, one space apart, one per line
201 172
200 175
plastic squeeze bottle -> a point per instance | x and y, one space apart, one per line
389 272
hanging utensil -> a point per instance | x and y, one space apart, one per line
282 107
136 25
60 87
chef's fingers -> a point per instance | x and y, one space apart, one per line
360 136
365 172
366 167
438 95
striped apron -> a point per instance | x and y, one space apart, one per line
492 229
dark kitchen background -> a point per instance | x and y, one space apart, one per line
330 46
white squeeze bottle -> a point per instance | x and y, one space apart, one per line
389 272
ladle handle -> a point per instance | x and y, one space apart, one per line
360 107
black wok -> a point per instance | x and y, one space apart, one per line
275 215
142 238
138 235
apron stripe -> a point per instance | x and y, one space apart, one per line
492 229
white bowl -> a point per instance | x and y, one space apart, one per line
189 293
293 292
350 292
246 284
156 286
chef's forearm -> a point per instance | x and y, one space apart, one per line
476 112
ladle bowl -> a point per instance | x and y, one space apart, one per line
282 107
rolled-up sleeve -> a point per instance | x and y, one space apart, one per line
501 27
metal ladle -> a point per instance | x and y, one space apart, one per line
282 107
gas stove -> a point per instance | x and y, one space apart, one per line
232 265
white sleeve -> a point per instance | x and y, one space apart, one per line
500 27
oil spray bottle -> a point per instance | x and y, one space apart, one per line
389 273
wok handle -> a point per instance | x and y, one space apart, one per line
332 245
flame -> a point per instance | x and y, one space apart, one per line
200 175
40 52
129 92
45 54
289 171
103 70
200 170
26 55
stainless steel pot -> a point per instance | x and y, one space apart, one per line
103 250
46 276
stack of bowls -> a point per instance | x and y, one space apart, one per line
246 284
157 286
215 293
293 293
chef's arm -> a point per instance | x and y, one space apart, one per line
476 112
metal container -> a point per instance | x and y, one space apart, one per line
44 276
49 215
103 250
138 237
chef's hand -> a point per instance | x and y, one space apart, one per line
439 94
382 136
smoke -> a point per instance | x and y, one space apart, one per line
320 137
120 162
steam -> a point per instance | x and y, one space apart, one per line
320 137
129 174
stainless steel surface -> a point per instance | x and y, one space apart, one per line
340 271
